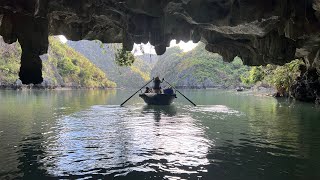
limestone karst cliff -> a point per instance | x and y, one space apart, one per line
62 67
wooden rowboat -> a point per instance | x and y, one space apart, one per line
158 99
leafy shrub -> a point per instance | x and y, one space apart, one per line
124 58
253 76
282 77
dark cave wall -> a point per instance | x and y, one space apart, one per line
258 31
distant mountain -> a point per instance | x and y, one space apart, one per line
198 69
89 63
194 69
62 66
103 56
149 59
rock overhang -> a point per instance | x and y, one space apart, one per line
258 31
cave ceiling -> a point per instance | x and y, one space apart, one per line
258 31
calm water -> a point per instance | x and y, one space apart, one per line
85 134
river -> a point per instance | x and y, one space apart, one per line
84 134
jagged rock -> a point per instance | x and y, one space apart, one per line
307 87
258 31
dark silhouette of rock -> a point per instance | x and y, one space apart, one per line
258 31
307 87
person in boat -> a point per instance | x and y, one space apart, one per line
147 90
156 85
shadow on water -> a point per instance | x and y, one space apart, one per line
260 163
159 111
30 155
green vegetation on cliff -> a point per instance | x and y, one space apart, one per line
104 56
279 77
9 62
62 66
198 69
65 66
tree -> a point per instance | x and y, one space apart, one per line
284 76
254 75
124 58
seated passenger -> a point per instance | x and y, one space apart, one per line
147 90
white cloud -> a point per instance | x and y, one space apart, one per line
184 46
62 38
139 49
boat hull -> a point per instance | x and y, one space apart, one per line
158 99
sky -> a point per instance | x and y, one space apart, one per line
148 49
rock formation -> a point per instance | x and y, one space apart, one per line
307 87
258 31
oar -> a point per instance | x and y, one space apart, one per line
136 92
180 92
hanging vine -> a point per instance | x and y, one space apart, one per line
124 58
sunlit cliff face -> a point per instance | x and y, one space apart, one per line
257 31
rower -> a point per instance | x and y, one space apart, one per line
156 85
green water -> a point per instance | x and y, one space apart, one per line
85 134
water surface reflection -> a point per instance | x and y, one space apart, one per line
158 111
120 142
85 134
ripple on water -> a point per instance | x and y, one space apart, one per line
214 109
119 141
65 137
